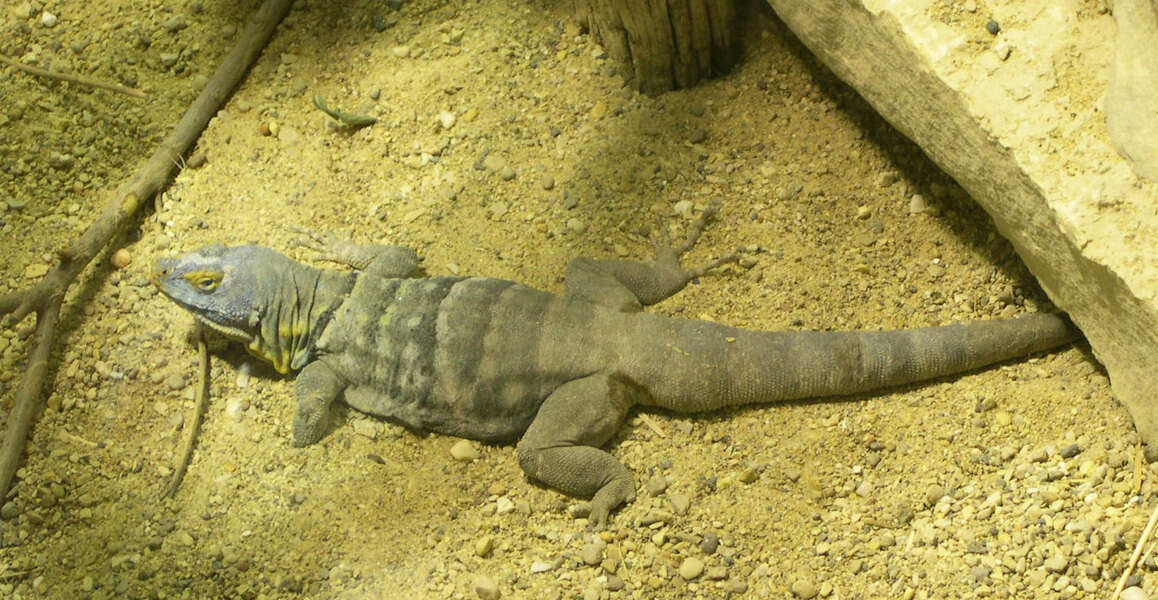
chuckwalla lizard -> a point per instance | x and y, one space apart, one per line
497 361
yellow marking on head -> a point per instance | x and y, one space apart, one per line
204 281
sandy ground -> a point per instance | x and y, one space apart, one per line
507 145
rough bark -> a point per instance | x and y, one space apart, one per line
663 44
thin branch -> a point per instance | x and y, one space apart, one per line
121 209
82 80
194 423
1146 533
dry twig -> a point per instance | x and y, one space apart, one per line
1146 533
112 87
121 209
193 423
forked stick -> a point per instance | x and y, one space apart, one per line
45 298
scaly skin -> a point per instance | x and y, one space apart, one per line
494 360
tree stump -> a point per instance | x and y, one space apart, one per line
663 44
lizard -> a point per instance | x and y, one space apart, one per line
497 361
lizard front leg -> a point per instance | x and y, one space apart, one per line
316 388
628 285
561 448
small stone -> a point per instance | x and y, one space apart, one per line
175 382
175 24
508 173
656 484
464 451
576 225
540 566
121 258
887 178
547 182
1039 456
35 271
614 583
1003 51
679 503
993 27
366 428
486 588
598 111
504 506
934 494
400 51
494 163
865 489
446 119
47 19
168 59
1056 564
9 511
1069 451
235 410
699 136
748 475
918 205
710 543
716 573
485 546
691 568
1134 593
804 589
863 212
592 554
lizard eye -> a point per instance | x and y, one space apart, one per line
204 282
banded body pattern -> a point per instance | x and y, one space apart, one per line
462 356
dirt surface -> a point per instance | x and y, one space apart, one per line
507 145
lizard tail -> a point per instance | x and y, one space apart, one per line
705 366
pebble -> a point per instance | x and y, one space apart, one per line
47 19
9 511
540 566
993 27
487 588
679 503
484 546
547 182
35 271
918 205
508 173
1069 451
805 589
710 543
691 568
699 136
1056 564
175 382
121 258
446 119
175 24
656 484
400 51
592 553
464 451
933 494
1134 593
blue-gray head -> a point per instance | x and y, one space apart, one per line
246 293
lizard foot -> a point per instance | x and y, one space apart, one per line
667 255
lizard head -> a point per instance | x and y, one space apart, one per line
240 292
221 286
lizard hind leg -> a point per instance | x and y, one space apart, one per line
386 261
561 448
629 285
